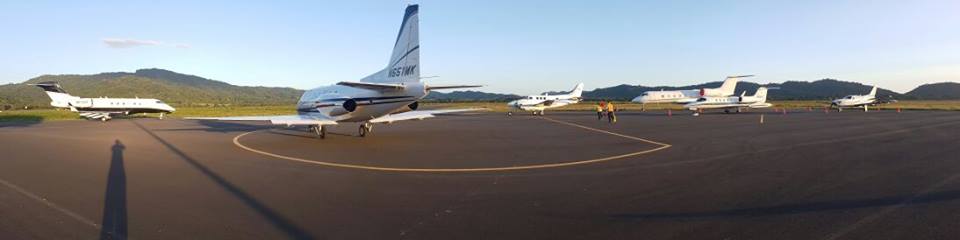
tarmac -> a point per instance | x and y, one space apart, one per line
799 175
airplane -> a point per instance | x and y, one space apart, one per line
386 96
538 103
102 108
856 100
689 96
758 100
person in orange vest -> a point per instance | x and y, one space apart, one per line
611 116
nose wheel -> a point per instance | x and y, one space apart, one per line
365 128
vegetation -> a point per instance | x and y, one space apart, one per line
174 88
943 91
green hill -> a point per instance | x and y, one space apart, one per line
937 91
175 88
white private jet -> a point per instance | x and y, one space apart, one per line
384 97
688 96
758 100
102 108
856 100
538 103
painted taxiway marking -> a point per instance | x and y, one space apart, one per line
236 141
49 204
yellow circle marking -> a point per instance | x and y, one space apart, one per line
236 141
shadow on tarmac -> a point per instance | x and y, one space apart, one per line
19 120
278 221
114 223
799 208
217 126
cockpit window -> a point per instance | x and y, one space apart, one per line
702 100
160 102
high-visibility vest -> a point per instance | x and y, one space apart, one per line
610 107
599 108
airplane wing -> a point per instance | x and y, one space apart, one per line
418 115
547 103
277 119
435 87
373 86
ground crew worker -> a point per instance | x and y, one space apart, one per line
600 111
611 117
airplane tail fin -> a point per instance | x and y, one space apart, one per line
58 97
730 84
405 60
873 92
577 91
761 94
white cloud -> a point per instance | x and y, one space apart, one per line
129 43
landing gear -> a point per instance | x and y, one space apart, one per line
319 130
726 111
161 116
509 113
535 113
104 119
365 128
695 114
739 110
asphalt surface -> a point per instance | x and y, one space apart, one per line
803 175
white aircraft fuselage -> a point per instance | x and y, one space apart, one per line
102 108
758 100
692 95
538 103
856 100
335 102
385 96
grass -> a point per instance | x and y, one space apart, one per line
39 115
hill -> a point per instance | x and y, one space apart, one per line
469 96
175 88
937 91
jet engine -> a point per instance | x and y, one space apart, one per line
347 106
410 107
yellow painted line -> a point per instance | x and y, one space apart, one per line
236 141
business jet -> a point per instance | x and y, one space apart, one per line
386 96
538 103
689 96
738 103
856 101
102 108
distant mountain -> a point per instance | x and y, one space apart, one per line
937 91
469 96
175 88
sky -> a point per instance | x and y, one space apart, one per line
520 47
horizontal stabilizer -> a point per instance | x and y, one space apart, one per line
420 114
278 119
436 87
373 86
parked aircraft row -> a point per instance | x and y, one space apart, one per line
392 94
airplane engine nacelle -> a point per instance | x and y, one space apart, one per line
410 107
347 106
